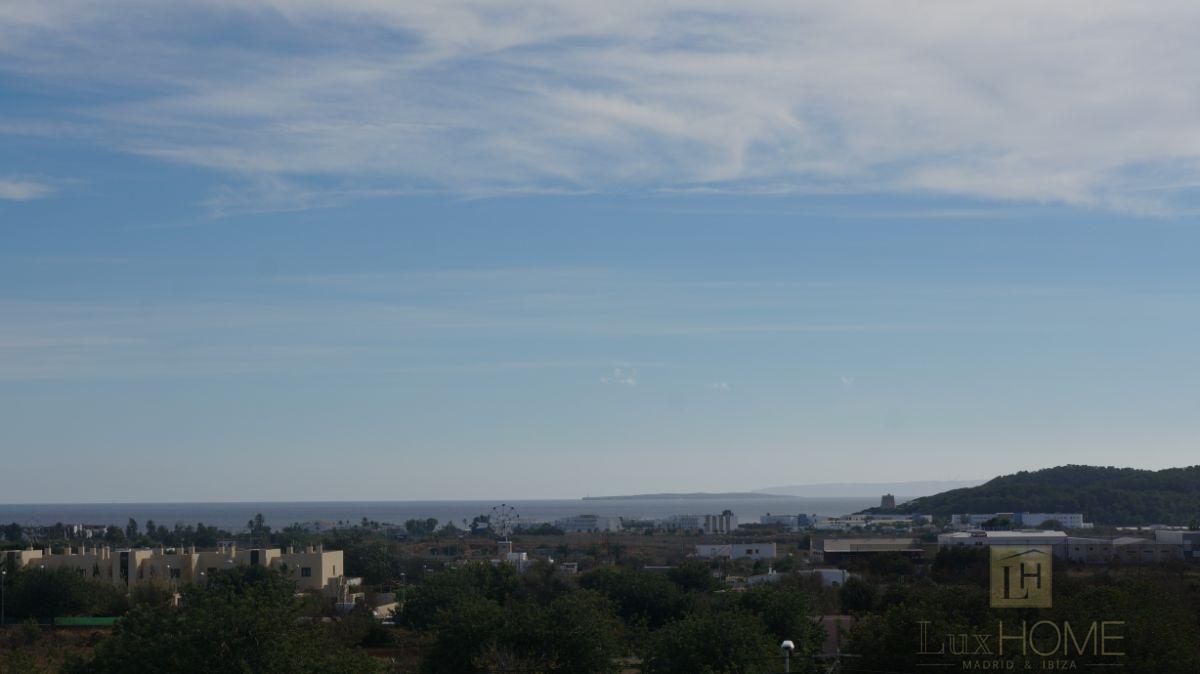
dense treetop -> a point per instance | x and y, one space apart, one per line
1106 495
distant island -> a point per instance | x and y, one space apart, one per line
875 489
693 495
1106 495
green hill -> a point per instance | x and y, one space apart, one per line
1104 494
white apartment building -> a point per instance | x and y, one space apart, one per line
790 522
582 523
1056 539
724 523
1067 520
738 551
1025 519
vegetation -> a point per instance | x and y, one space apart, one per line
639 604
1161 622
242 620
1107 495
41 594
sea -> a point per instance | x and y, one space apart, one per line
233 516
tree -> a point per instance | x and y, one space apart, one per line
571 634
374 561
46 594
480 524
640 596
425 527
464 627
961 564
542 583
787 611
857 595
890 564
1107 495
729 642
470 582
693 577
131 529
243 620
577 633
258 527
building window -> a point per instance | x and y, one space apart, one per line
305 572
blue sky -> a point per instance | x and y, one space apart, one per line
284 251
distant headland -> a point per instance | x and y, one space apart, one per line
688 496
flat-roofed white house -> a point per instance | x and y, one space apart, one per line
1056 539
738 551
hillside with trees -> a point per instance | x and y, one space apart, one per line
1106 495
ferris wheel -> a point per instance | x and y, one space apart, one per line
503 520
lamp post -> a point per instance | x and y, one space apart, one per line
787 647
3 576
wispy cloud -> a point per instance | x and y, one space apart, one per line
401 322
16 189
623 376
722 386
310 103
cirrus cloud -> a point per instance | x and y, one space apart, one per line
1074 102
16 189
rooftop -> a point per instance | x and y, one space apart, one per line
868 544
1020 533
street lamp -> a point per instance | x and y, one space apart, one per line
3 575
787 647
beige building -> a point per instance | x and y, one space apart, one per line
839 550
312 568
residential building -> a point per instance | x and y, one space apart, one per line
840 550
1065 520
685 522
1121 550
789 522
724 523
506 555
738 551
312 568
867 521
1056 539
582 523
1188 541
1021 520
